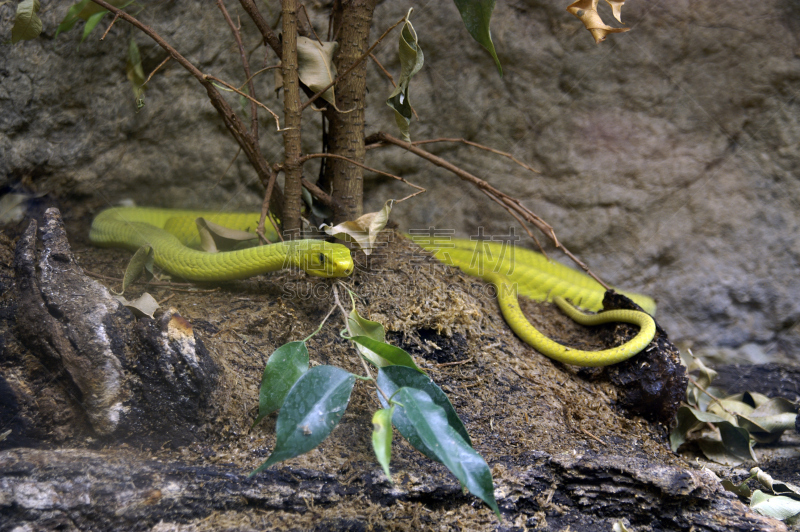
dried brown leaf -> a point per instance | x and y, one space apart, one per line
586 12
364 230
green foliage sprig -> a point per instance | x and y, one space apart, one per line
311 402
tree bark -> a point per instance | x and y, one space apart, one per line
292 168
351 23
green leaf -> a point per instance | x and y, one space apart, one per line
732 446
134 70
363 327
694 395
476 15
742 489
430 422
141 261
382 438
27 24
382 354
411 60
770 419
777 506
71 17
91 24
312 409
392 378
284 366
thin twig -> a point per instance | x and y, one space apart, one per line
354 65
161 64
260 230
246 65
385 72
320 194
109 27
456 363
303 7
417 193
521 222
237 91
591 435
390 78
229 118
256 73
268 35
713 399
479 146
226 169
507 202
305 158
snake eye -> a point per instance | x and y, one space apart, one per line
322 258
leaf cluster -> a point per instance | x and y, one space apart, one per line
725 427
312 400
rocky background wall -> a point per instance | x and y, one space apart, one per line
668 154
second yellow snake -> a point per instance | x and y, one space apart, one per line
516 271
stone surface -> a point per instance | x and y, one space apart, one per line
668 153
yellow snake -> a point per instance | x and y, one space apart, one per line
170 233
514 270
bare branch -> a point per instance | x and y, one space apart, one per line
109 27
229 118
253 100
320 194
391 80
480 146
508 203
262 222
364 166
246 65
156 69
269 36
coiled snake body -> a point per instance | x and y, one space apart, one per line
171 234
514 271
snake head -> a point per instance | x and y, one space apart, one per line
322 259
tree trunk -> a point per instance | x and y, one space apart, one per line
351 24
293 170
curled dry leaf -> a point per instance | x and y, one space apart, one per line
778 487
616 8
586 11
315 65
411 61
364 230
215 237
144 305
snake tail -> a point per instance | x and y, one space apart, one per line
509 306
